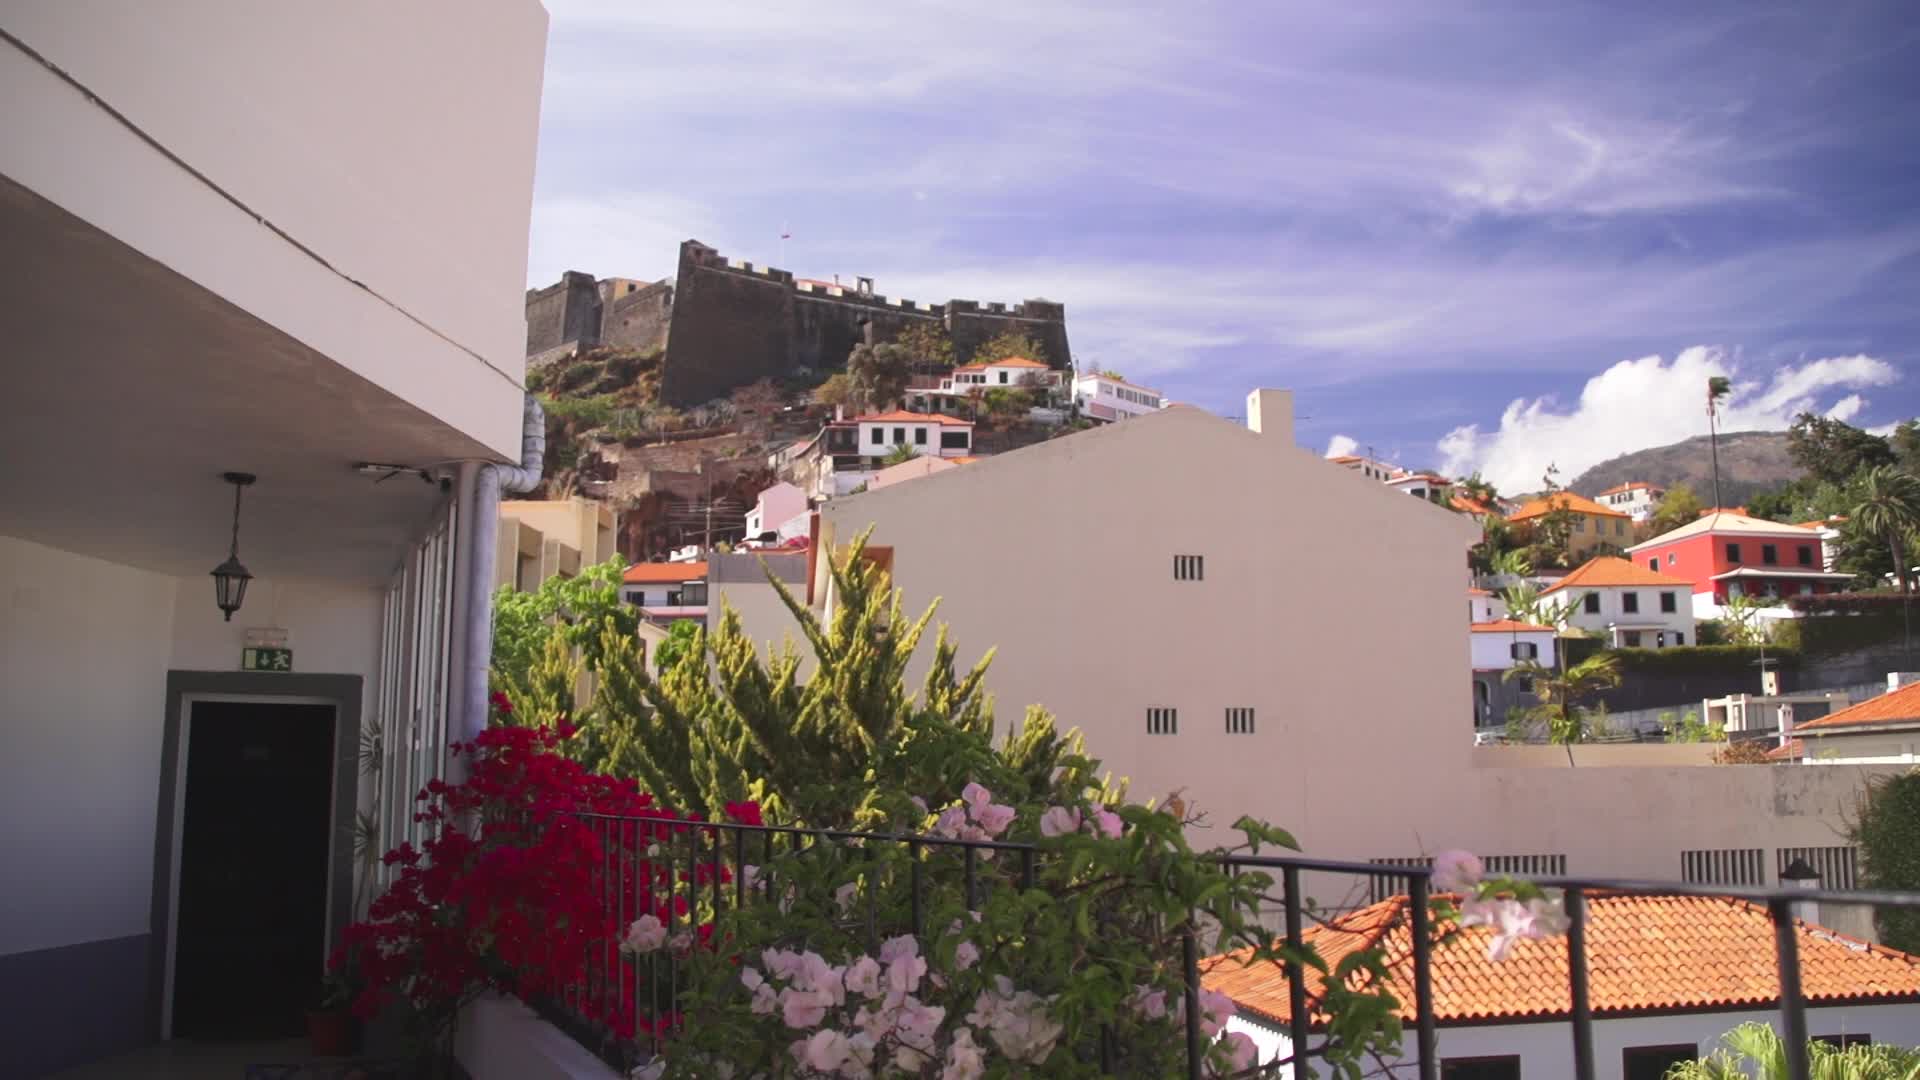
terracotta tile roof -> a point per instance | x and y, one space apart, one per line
1794 750
1723 521
1510 626
901 416
1900 706
1010 361
1467 504
1649 954
1479 592
1346 459
1534 508
664 573
1613 571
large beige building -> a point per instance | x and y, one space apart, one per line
1228 616
548 538
265 239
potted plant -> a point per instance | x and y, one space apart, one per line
331 1029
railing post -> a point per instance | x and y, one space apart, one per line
1300 1023
1576 901
1417 893
1190 961
1793 1006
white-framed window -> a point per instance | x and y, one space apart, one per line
1162 720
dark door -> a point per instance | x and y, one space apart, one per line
251 939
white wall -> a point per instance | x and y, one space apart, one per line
1495 651
395 141
83 673
1546 1049
332 629
1613 610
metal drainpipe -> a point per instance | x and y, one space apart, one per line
479 525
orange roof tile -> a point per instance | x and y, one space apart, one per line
1613 571
1510 626
1467 504
664 573
1794 750
1010 361
1479 592
1534 508
1343 459
1649 954
901 416
1902 706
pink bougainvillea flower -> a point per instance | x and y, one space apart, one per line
1059 821
1457 871
1107 823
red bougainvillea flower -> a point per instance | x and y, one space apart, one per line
500 702
746 813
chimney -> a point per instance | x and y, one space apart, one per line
1899 679
1799 875
1270 412
1769 682
1785 712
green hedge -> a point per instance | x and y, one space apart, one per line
1826 635
1703 660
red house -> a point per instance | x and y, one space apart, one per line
1726 554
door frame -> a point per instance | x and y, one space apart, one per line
343 694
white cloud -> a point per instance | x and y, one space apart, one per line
1651 402
1342 445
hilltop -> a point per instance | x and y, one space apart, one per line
1750 462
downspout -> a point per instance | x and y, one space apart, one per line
480 488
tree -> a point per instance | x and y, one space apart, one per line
927 344
1680 507
1717 387
1905 442
899 455
1552 532
1754 1049
879 374
1742 620
1477 488
1561 689
1008 344
1008 401
1890 510
837 390
1833 450
1887 833
682 637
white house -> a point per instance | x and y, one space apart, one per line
294 249
1101 397
1367 467
1669 976
1883 730
1503 643
1485 605
881 434
1010 373
1629 605
780 510
666 591
1422 485
1638 499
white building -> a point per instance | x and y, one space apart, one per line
1883 730
1485 605
262 240
1011 373
1669 977
666 591
779 513
1421 485
924 433
1101 397
1638 499
1367 467
1630 606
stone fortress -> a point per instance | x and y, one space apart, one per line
724 323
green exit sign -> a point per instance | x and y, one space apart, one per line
262 659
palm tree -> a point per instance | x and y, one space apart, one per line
1717 388
1890 510
1756 1050
1559 689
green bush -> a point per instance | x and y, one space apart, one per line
1703 660
1888 836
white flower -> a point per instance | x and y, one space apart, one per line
1457 871
751 978
1242 1052
1149 1002
646 934
950 822
1216 1009
765 1000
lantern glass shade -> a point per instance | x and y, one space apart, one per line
230 585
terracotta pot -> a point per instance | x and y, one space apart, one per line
331 1032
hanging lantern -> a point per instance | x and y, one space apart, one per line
230 578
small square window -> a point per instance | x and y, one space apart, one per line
1654 563
1660 639
1630 603
1668 604
1163 721
1592 603
1679 637
1240 721
1733 553
1806 555
1189 568
1003 377
919 436
879 437
1579 524
1769 554
899 435
1669 558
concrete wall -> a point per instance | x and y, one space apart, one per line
405 172
566 312
585 525
1546 1049
638 319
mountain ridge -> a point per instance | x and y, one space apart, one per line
1750 462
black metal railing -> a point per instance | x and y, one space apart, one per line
706 861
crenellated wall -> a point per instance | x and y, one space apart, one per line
726 323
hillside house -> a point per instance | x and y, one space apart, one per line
1630 606
1592 524
1637 499
540 539
1011 373
1724 554
1366 466
1485 605
1884 730
1495 647
1104 398
666 592
1679 972
1424 485
846 454
779 513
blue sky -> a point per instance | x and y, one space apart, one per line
1469 235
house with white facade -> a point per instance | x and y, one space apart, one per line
1630 606
847 452
1496 646
1102 397
779 514
1368 467
1010 373
1882 730
1637 499
1672 975
1423 485
668 591
1485 605
281 258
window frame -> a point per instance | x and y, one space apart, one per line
1690 1050
1590 604
1630 603
1769 554
1733 551
1669 603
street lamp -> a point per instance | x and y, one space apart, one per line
230 578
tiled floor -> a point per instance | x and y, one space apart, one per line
182 1060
